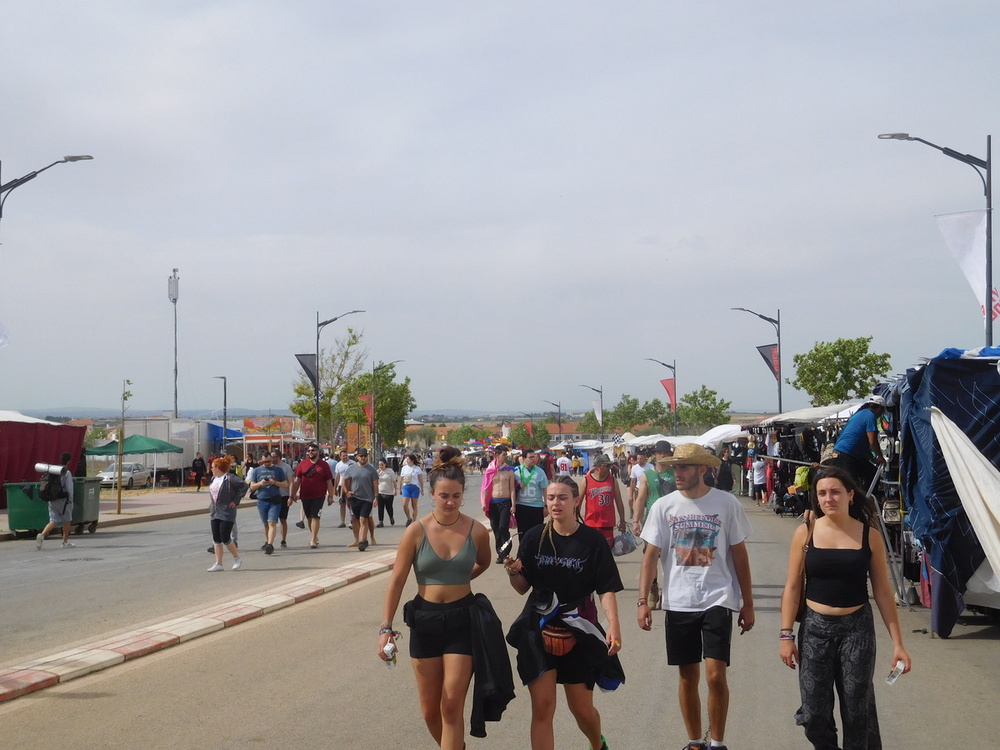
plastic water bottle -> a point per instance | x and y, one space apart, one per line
895 673
390 654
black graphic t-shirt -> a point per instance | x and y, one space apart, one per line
580 564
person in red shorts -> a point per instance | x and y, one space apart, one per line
601 498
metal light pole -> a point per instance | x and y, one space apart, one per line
599 392
376 442
319 368
225 407
173 288
558 415
673 369
776 322
977 164
5 189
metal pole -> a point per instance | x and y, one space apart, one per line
173 292
316 386
989 241
778 326
558 416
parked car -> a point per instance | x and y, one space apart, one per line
133 475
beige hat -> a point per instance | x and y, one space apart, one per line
694 455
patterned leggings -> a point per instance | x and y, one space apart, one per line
838 652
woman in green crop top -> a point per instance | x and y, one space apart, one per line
446 550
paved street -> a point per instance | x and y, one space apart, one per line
307 675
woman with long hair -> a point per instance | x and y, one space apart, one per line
446 549
411 486
838 553
557 636
226 490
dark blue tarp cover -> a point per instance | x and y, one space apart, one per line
968 392
215 433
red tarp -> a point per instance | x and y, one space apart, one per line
24 444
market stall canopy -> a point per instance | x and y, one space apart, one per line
215 433
135 445
814 414
724 433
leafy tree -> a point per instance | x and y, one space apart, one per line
519 435
701 410
836 371
465 433
626 414
589 424
421 438
393 402
339 366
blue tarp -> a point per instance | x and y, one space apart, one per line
968 392
215 433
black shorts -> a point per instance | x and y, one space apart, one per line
692 636
312 506
361 508
571 669
438 629
283 515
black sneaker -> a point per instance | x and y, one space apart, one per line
342 526
268 549
263 547
362 546
300 524
283 544
211 550
379 525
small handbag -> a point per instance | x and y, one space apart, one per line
557 640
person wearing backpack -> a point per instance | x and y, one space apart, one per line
61 506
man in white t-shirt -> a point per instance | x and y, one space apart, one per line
563 465
698 536
635 475
339 471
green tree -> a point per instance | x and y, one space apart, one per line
519 435
836 371
701 410
393 402
589 424
339 366
465 433
625 415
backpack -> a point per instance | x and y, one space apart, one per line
50 487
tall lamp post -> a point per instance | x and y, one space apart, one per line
319 368
558 415
225 407
599 392
776 322
6 188
376 441
173 289
986 176
673 369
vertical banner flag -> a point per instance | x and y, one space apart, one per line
530 428
308 362
965 235
598 413
770 354
367 398
668 386
4 336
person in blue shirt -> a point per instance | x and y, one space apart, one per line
268 480
858 445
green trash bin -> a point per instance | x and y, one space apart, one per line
26 513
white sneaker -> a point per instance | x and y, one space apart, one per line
215 568
237 563
67 544
38 541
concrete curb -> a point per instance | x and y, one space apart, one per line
54 669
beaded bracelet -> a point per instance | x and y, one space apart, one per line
641 602
390 631
786 636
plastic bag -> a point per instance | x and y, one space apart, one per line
624 543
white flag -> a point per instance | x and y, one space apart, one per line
965 235
4 336
598 413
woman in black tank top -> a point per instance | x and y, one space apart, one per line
837 633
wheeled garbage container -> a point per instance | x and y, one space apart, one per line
28 515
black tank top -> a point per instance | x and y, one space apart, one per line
838 577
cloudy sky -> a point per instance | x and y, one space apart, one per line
523 196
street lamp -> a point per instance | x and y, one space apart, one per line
319 368
775 363
673 369
986 176
376 442
5 189
599 392
225 407
173 289
558 415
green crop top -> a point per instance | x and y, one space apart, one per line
432 569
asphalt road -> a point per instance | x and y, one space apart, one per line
308 676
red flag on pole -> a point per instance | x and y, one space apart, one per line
530 428
668 386
770 354
367 398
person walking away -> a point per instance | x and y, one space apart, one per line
61 509
838 553
225 491
386 493
498 495
557 635
361 489
697 535
199 469
602 498
312 483
267 479
531 482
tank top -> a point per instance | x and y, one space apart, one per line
838 577
431 569
600 496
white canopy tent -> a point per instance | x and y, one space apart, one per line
814 414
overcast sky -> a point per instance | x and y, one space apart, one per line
523 196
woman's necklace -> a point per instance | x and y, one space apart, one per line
447 524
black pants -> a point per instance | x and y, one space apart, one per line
527 517
838 652
385 506
500 523
861 470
